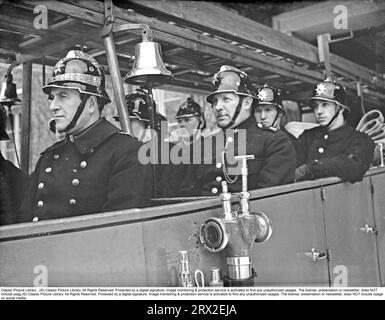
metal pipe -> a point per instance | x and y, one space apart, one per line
113 65
26 116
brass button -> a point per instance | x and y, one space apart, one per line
40 204
214 190
83 164
75 182
218 179
40 186
321 150
48 170
72 202
35 219
56 156
326 137
219 165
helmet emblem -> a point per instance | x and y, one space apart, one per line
266 94
325 89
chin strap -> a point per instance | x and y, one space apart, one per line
78 113
235 116
334 117
276 118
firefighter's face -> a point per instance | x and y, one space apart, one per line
225 105
266 114
64 104
324 111
188 126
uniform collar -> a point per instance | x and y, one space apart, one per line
249 122
344 131
89 138
94 135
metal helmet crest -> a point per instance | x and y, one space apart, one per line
189 109
231 79
80 71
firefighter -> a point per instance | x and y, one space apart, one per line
274 162
13 182
96 167
138 112
190 121
167 174
333 148
268 109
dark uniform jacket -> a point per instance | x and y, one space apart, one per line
13 184
344 152
167 174
95 171
274 162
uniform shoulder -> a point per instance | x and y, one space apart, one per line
126 139
362 136
54 146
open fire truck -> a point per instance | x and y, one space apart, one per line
314 233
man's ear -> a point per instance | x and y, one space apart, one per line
247 103
92 104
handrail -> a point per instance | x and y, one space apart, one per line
108 219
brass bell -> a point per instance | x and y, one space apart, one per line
8 95
148 66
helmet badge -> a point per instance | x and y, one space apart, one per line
325 89
266 95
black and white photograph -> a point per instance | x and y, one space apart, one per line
192 150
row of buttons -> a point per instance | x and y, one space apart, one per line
75 182
322 150
40 203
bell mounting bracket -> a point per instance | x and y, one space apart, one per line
111 26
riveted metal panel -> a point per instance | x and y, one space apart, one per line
353 254
164 238
378 183
298 227
110 256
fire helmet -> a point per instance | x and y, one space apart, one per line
330 90
3 123
268 95
189 109
78 70
231 79
137 107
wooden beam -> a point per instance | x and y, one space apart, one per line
94 12
203 15
219 21
51 49
26 117
360 15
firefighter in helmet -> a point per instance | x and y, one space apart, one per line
13 182
167 175
190 121
268 109
334 148
139 114
232 99
90 170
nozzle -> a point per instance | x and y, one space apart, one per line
226 201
